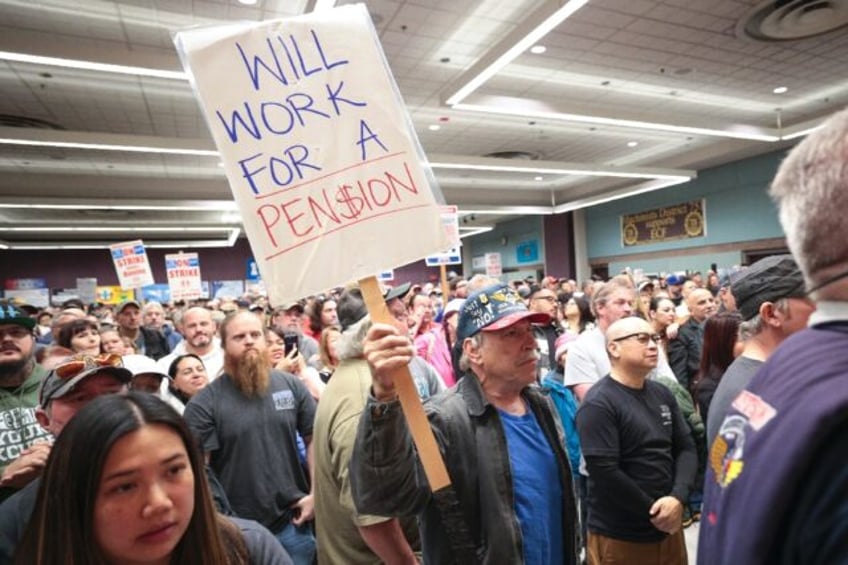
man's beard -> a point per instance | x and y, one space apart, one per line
250 372
200 341
12 369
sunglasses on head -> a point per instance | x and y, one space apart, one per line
73 367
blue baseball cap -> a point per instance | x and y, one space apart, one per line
675 280
494 308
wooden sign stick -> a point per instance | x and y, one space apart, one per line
443 271
413 411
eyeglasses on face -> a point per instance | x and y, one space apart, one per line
641 337
73 367
548 298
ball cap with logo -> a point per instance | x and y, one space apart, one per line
62 380
494 308
10 314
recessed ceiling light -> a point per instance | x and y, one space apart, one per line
247 2
632 143
435 127
539 178
538 49
780 90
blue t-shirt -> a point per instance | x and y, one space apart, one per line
537 488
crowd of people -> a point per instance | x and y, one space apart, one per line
577 423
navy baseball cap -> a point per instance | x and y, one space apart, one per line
494 308
10 314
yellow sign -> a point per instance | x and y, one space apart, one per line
681 221
113 294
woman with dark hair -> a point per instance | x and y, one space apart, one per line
661 316
321 315
576 314
292 361
721 346
187 377
80 336
125 483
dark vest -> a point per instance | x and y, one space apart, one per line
769 438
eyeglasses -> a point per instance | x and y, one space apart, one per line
76 365
18 332
642 337
548 298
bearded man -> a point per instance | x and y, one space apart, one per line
247 422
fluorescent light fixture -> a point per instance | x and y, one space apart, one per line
801 133
324 5
780 90
92 66
468 232
105 147
46 247
206 243
509 210
538 49
210 206
114 228
538 178
599 120
537 33
604 198
554 171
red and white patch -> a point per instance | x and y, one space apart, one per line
758 411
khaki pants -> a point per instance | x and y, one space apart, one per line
601 550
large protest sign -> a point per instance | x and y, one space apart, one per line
319 151
183 270
131 264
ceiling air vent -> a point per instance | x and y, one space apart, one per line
105 213
516 155
788 20
7 120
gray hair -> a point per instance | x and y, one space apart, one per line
464 362
152 305
756 325
352 339
481 281
810 192
602 295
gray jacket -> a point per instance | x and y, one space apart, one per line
387 479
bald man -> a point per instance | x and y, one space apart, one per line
684 352
199 337
640 456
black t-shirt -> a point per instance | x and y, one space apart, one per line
637 448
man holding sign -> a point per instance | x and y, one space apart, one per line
499 437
